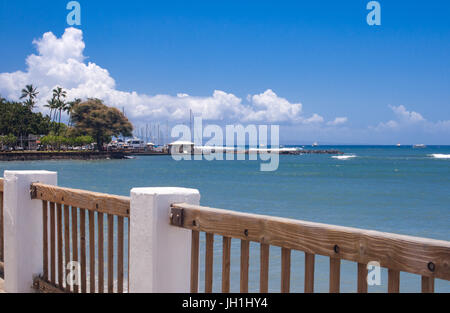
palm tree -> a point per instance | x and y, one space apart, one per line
59 95
51 104
69 108
30 92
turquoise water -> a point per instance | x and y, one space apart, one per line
401 190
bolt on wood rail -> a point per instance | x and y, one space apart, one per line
65 212
429 258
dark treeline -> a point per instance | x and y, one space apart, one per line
88 121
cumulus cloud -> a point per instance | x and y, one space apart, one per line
60 62
411 120
338 121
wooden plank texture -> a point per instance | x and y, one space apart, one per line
399 252
209 257
2 184
264 268
309 272
245 251
120 254
100 202
393 281
362 278
335 275
194 260
226 256
427 284
285 270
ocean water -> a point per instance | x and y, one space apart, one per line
387 188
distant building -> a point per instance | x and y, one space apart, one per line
181 147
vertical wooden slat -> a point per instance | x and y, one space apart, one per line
285 270
309 272
194 261
120 254
67 241
245 247
427 284
264 268
110 253
52 243
75 240
83 250
226 248
45 238
362 278
393 281
209 262
101 273
59 241
335 275
91 251
2 240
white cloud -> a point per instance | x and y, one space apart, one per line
410 121
406 116
314 119
338 121
60 62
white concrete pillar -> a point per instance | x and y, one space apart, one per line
23 229
160 254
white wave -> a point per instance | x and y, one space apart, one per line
440 156
344 157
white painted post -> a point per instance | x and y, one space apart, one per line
23 229
159 253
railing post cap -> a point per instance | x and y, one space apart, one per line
165 191
9 173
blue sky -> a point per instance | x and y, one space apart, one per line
321 54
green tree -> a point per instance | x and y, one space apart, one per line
9 140
59 95
18 120
95 119
31 93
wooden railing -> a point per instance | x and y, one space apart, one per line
2 256
64 214
426 257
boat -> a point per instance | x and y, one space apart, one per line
421 145
399 145
315 144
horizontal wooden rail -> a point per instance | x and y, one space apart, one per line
94 201
426 257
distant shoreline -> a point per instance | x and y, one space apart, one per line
61 155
